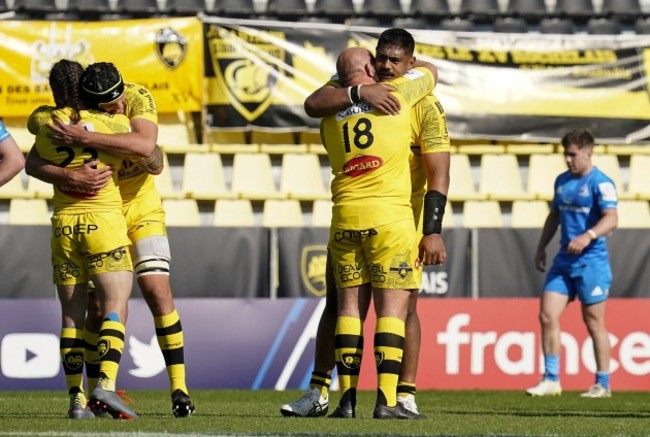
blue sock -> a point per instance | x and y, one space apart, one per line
552 367
113 317
602 378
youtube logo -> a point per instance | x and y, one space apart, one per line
30 355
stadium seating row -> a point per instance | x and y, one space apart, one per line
503 177
606 17
290 213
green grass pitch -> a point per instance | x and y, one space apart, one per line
241 412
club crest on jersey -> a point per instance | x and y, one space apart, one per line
361 164
249 64
171 47
313 262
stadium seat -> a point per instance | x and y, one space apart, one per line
509 25
448 220
204 177
233 213
411 23
457 24
282 213
28 212
603 26
461 184
578 9
528 149
642 26
262 137
633 214
500 178
528 9
181 212
529 213
482 214
429 8
364 21
174 134
141 8
252 177
164 182
237 8
609 165
480 149
301 177
625 10
281 149
554 25
35 6
542 171
215 136
288 9
322 213
639 177
14 188
337 10
90 9
382 8
40 189
186 7
479 9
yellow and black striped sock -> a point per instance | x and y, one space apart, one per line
71 348
91 358
389 348
320 381
405 389
349 350
110 346
170 338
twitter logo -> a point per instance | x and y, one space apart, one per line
147 357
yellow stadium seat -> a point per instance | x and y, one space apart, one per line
529 213
232 148
309 137
461 184
301 177
529 148
174 135
481 149
226 137
317 148
633 214
482 214
164 182
282 213
39 188
281 149
542 171
500 178
14 188
322 213
28 212
252 177
262 137
181 212
204 177
233 213
627 149
17 127
639 181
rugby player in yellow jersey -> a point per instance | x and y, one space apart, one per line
372 237
103 88
89 241
429 164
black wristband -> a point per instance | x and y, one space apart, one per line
354 94
434 211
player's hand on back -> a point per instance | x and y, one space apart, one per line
66 133
89 177
379 96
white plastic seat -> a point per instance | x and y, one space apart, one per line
500 178
28 212
204 177
181 212
529 213
639 182
461 184
322 213
482 214
233 213
282 213
542 171
633 214
301 177
252 177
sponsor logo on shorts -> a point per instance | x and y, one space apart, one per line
349 272
113 259
80 229
361 164
67 270
354 235
377 273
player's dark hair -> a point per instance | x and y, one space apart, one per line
64 82
397 37
579 137
101 83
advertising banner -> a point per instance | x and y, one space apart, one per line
163 54
493 86
269 344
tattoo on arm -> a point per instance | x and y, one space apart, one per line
152 164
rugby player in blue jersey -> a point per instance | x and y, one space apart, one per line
584 207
